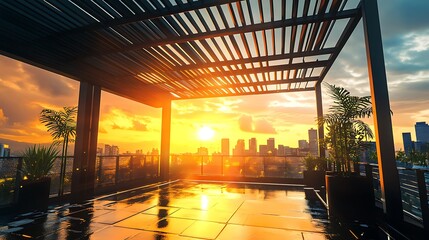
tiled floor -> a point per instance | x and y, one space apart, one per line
183 211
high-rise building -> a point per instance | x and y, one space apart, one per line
239 148
281 150
108 150
271 145
203 151
422 132
408 144
99 151
263 150
253 147
312 142
115 150
302 144
225 146
4 150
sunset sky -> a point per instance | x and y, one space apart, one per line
26 90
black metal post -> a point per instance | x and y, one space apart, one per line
389 177
421 183
320 128
116 171
18 179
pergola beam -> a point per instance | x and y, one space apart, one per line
293 22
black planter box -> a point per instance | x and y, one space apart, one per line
350 198
314 178
34 195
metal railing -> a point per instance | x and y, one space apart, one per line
111 171
122 169
237 166
414 184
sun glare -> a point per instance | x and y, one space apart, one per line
205 133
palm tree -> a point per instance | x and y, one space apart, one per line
346 132
62 127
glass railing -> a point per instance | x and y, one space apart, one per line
237 166
124 169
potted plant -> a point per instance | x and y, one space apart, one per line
35 186
349 195
314 175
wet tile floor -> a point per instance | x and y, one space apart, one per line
183 210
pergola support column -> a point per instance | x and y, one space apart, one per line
165 141
389 178
321 128
83 178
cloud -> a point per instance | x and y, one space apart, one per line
138 126
246 123
263 126
48 83
3 118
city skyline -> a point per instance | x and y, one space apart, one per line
284 116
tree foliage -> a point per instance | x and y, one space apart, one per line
38 161
62 127
345 131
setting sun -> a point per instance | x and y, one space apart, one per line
205 133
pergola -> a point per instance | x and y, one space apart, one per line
157 51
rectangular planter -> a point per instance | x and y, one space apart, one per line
314 178
34 195
350 198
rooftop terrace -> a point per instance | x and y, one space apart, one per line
188 210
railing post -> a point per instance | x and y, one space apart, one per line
356 167
421 183
202 170
100 169
368 171
222 165
18 179
145 167
117 171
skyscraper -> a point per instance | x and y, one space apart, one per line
422 132
263 150
239 148
253 147
108 150
281 150
302 144
271 146
225 146
408 144
312 142
4 150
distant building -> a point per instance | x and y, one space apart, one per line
4 150
281 150
154 152
115 150
303 144
263 150
312 142
203 151
225 146
253 147
408 144
422 132
271 145
139 151
99 151
108 150
239 149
